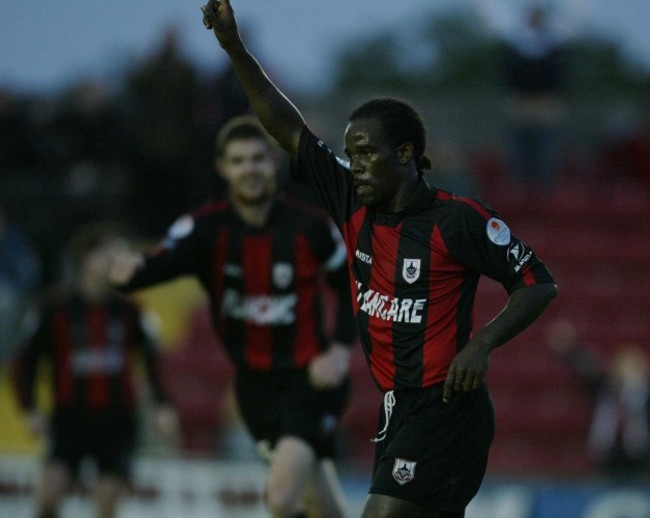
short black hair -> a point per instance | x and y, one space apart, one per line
244 127
400 123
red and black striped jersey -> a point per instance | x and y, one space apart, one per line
264 284
415 273
92 348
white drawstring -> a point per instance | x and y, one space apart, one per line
389 403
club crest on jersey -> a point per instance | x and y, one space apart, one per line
411 270
403 471
282 275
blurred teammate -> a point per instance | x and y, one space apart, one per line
415 255
90 336
260 258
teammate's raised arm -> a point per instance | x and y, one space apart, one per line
275 111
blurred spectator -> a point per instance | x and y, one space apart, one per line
16 134
534 76
89 335
619 436
450 170
160 95
19 278
220 98
84 123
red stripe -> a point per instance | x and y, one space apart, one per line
216 206
257 282
445 196
385 246
64 379
97 342
306 344
444 298
529 278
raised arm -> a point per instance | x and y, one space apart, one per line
275 111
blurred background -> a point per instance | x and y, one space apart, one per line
108 110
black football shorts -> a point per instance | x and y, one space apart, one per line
434 454
108 440
274 405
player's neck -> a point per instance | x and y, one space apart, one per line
92 291
255 214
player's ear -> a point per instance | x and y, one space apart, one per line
405 153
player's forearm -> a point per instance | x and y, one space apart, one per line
524 307
152 271
276 112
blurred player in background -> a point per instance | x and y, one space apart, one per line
416 254
91 337
260 258
619 434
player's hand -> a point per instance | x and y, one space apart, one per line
330 368
219 16
467 371
37 423
123 267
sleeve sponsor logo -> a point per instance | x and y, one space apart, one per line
180 229
519 255
498 232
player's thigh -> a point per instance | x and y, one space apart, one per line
292 468
55 481
114 451
109 490
324 496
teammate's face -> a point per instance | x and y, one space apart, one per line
95 264
249 168
373 162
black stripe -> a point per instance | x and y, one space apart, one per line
119 337
234 333
78 322
414 245
361 272
283 250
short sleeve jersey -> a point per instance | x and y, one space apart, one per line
414 274
263 283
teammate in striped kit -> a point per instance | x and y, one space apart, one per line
91 336
261 259
415 256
